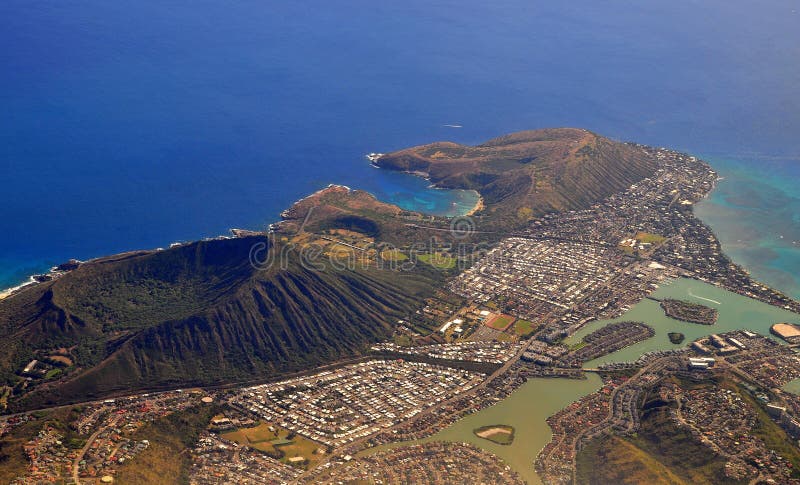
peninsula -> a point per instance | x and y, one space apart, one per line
354 324
689 312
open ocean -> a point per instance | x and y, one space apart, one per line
133 124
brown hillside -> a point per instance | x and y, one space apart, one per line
541 170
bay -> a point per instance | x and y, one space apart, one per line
133 124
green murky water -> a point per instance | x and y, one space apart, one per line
528 408
735 312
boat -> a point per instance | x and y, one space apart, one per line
373 157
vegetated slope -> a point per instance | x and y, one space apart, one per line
660 451
197 314
339 207
166 459
530 172
615 460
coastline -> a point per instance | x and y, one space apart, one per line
479 206
53 272
765 246
5 293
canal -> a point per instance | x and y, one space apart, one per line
528 408
736 312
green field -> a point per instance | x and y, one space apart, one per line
259 437
438 260
647 237
276 443
578 345
393 255
524 328
52 373
500 322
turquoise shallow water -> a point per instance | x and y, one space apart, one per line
755 212
133 124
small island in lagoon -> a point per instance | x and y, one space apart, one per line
689 312
676 337
501 434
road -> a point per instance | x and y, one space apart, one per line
86 447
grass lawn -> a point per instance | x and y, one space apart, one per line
648 237
393 255
578 345
261 438
523 328
438 260
52 373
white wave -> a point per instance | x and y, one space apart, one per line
702 298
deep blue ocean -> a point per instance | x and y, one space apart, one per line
133 124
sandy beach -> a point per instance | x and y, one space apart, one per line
10 291
478 207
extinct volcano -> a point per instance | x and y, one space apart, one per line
529 173
199 314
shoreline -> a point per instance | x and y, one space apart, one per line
5 293
234 232
479 206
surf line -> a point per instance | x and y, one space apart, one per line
701 298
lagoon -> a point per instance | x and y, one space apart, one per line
527 410
735 312
123 131
528 407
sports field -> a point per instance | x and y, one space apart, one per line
647 237
438 260
499 322
523 328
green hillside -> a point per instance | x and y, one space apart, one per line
197 314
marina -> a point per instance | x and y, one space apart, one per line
528 408
735 312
